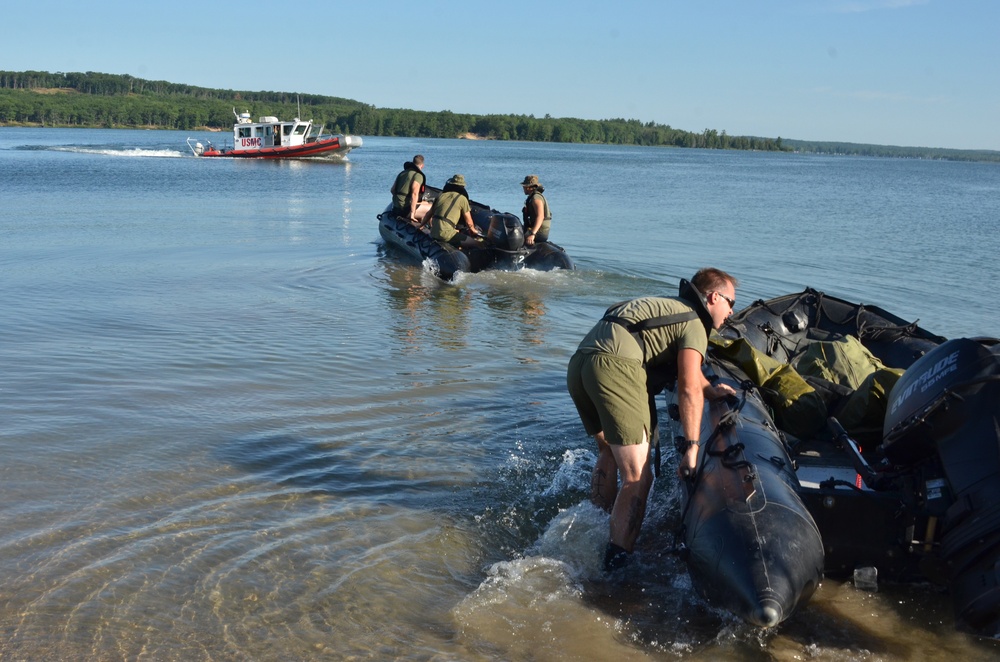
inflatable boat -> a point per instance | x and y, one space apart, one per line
750 543
503 246
894 437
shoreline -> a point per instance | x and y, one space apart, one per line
150 127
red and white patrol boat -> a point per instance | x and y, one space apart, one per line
270 138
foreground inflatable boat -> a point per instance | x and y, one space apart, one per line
503 248
750 544
882 459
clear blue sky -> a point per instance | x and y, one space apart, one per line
891 72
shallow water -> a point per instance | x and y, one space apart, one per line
237 427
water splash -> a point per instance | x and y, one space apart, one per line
120 151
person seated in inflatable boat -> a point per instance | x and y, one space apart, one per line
450 209
408 190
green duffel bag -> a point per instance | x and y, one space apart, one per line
843 360
757 365
863 413
798 408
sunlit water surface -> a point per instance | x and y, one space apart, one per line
236 427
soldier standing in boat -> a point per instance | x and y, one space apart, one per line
408 190
536 213
630 355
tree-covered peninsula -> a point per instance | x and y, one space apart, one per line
38 98
121 101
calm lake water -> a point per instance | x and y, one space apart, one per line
235 427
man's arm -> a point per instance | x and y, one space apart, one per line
691 402
539 217
414 196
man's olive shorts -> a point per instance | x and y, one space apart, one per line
610 395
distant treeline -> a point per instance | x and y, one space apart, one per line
122 101
855 149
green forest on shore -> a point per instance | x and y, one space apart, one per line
98 100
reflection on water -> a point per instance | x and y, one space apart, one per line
524 304
236 427
433 311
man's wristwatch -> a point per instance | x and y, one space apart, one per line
682 443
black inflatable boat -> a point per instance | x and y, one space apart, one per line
750 544
502 248
896 453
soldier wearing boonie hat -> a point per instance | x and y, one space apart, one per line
451 208
536 213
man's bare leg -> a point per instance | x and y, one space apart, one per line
630 506
604 479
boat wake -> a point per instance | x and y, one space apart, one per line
106 150
120 151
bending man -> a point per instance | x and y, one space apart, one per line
636 349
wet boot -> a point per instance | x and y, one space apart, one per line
615 557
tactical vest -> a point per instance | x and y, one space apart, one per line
529 210
401 189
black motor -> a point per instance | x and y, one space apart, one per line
947 405
504 231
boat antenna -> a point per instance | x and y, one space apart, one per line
298 107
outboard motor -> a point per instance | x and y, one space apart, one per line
505 231
197 148
948 404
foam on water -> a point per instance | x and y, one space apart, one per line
122 151
534 607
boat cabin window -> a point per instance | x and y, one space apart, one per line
244 132
300 129
286 129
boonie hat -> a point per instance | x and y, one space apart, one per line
457 180
530 180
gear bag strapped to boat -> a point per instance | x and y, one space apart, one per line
798 408
857 385
844 360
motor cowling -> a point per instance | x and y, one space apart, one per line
948 404
505 231
918 417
